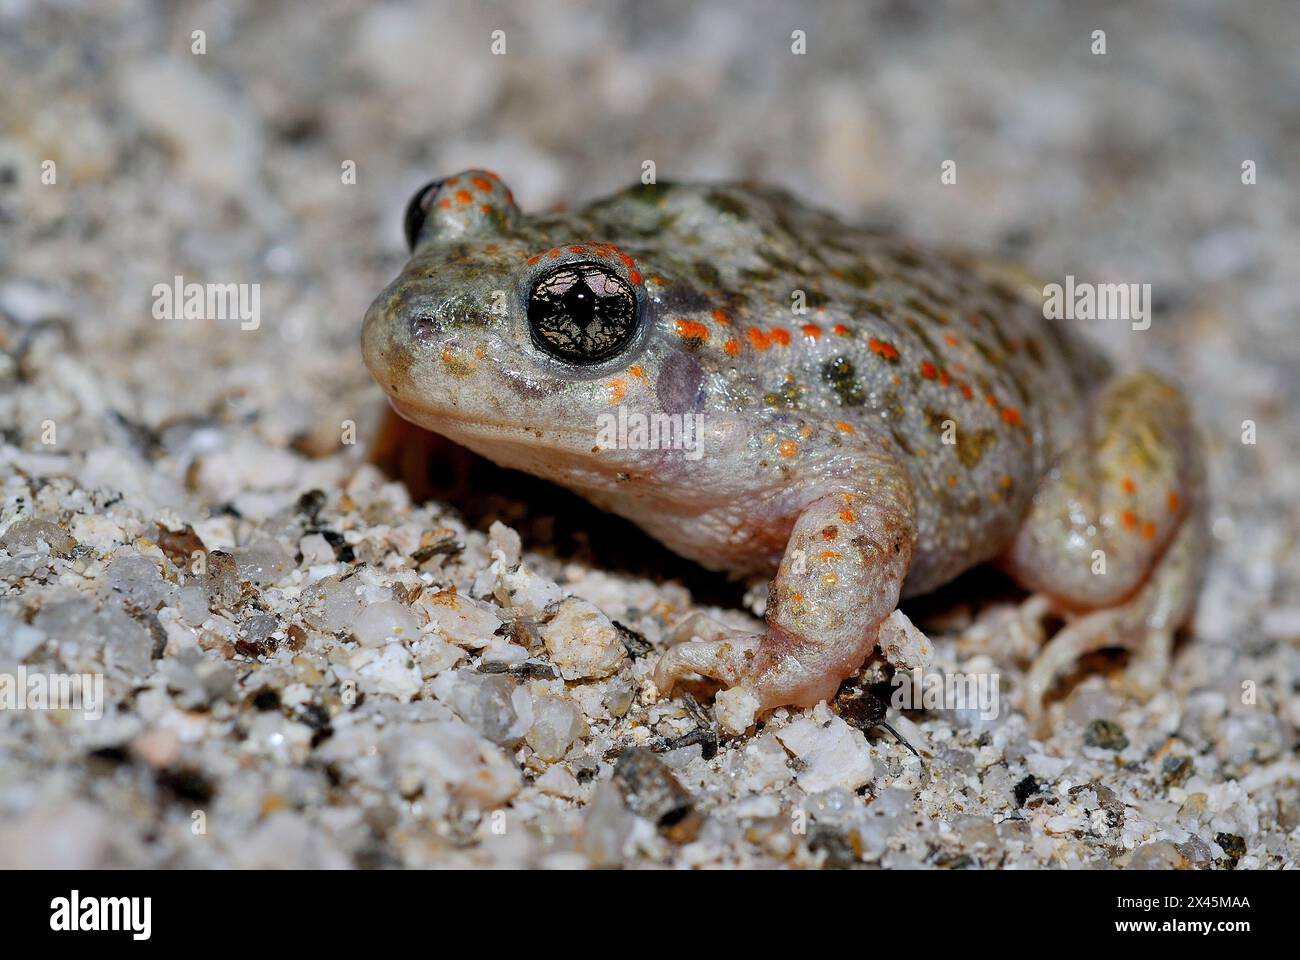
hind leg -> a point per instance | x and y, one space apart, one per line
1116 532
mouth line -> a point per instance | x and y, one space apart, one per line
480 426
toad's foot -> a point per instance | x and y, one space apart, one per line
1118 529
840 577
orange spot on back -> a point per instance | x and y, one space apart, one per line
634 277
757 338
848 516
1148 530
928 371
533 261
843 427
689 330
1174 503
1011 416
482 184
1129 486
464 197
636 371
617 391
811 330
1129 519
788 448
840 330
721 318
781 336
732 347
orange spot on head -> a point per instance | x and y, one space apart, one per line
634 277
944 379
949 339
952 480
627 261
829 533
811 330
720 318
445 203
830 556
1148 530
780 335
732 347
617 391
485 209
1129 486
848 516
1011 416
1005 481
482 184
464 197
757 338
689 330
928 371
1129 519
843 427
991 400
533 261
788 448
840 330
636 371
966 391
1174 503
554 254
577 249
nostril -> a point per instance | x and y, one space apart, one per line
421 327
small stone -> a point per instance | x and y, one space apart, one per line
1234 847
902 644
139 585
1175 770
735 709
650 789
582 642
463 620
557 723
559 782
1106 734
264 562
833 754
835 847
485 702
30 535
391 670
18 640
386 621
607 827
1160 855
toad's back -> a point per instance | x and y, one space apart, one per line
789 309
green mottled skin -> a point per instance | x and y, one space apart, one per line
829 362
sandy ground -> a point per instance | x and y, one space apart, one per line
314 694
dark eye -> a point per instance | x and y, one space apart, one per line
582 312
417 210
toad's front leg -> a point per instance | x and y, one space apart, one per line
840 576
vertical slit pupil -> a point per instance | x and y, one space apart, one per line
582 312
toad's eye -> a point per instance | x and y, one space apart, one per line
582 312
417 210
